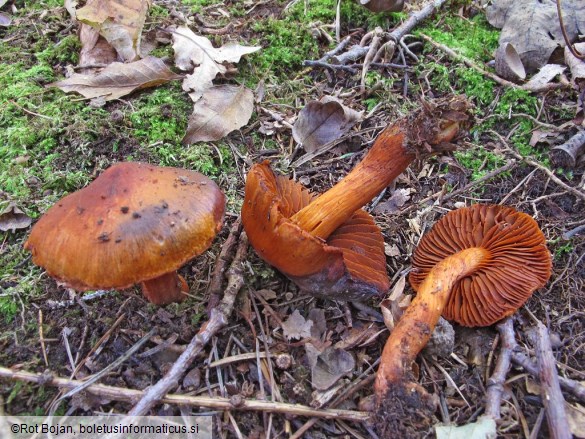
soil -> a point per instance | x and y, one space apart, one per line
256 322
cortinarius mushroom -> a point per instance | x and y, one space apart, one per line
476 266
311 241
136 223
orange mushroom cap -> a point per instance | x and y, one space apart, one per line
349 265
518 263
134 223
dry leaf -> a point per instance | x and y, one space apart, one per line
576 65
394 203
391 250
483 428
383 5
296 327
70 6
95 50
323 121
266 294
220 111
331 364
195 52
317 316
533 27
359 337
576 418
12 218
545 75
120 22
119 79
5 20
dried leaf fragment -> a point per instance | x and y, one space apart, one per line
196 53
220 111
12 218
331 365
296 327
119 79
323 121
119 21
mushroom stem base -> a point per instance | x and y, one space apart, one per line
415 327
165 289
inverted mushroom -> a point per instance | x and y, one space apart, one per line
136 223
328 246
476 266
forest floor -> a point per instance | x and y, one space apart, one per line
52 144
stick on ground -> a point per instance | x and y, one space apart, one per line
219 317
122 394
495 384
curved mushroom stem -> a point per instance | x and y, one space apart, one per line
165 289
393 151
416 325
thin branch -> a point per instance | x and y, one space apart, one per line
219 317
495 384
130 395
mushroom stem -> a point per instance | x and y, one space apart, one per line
416 325
394 150
165 289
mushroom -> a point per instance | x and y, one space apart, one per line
136 223
476 266
311 241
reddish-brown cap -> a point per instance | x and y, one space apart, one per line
134 223
519 261
350 265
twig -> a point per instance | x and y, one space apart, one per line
552 397
495 384
547 171
82 385
42 338
469 63
52 304
566 155
521 359
123 394
214 288
217 320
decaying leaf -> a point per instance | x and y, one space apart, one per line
361 336
329 366
12 218
5 20
576 65
220 111
120 22
383 5
533 27
119 79
393 204
296 327
317 316
95 49
545 75
196 53
323 121
576 418
71 6
483 428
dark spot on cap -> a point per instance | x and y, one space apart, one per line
100 222
165 205
124 209
104 237
118 240
80 210
136 215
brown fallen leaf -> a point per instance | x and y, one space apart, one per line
95 49
119 79
12 218
383 5
120 22
576 65
221 110
533 27
5 20
393 204
323 121
196 53
329 366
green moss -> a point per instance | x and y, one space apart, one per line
479 161
473 38
65 51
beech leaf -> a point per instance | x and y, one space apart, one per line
383 5
323 121
120 22
196 53
95 49
330 366
119 79
221 110
12 218
533 27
